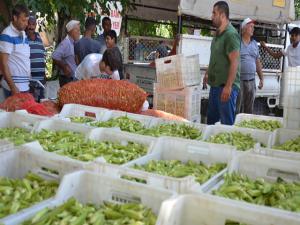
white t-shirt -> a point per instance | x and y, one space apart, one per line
293 55
15 43
89 68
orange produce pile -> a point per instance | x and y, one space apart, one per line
111 94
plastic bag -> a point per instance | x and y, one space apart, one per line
111 94
36 108
89 67
145 106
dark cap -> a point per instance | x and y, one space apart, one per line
32 19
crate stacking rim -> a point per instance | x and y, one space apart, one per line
178 71
185 103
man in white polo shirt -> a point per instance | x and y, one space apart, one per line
15 53
292 52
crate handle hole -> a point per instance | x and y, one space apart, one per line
125 198
47 173
27 125
283 174
90 114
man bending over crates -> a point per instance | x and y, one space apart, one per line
223 74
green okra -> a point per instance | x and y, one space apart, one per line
290 145
74 213
124 122
176 168
18 194
242 141
81 119
279 194
75 145
269 125
174 130
18 136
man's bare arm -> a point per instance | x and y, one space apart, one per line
234 63
6 73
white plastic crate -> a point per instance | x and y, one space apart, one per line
21 160
243 116
178 71
269 168
70 110
261 136
292 124
20 120
199 126
292 82
291 118
185 103
168 148
145 120
277 153
56 125
113 135
89 187
36 147
5 145
293 101
98 134
211 210
291 114
18 162
280 137
257 166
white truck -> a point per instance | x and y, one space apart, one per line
270 14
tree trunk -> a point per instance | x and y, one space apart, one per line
61 27
5 11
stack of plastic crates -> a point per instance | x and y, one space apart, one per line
178 89
292 98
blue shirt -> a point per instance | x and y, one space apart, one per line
86 46
37 58
249 55
101 40
65 52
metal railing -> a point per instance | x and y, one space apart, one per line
142 49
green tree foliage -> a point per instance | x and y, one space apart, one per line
68 9
151 29
297 9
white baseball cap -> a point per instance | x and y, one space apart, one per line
72 24
247 21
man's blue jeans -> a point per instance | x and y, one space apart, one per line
224 111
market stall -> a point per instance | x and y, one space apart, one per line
94 157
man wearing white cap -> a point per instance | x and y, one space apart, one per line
250 65
64 56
